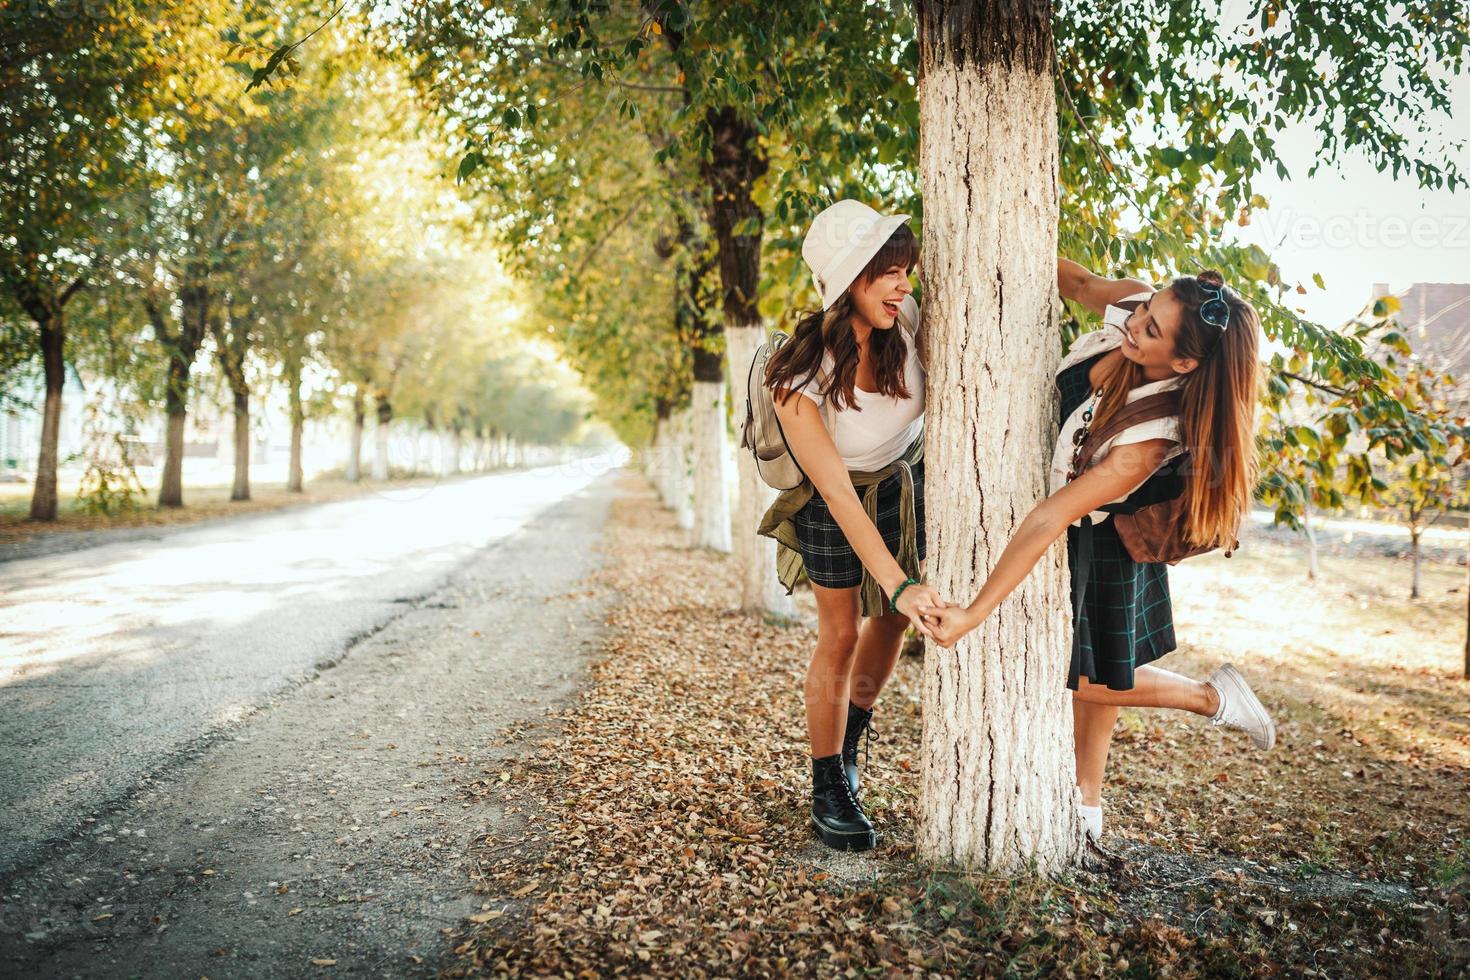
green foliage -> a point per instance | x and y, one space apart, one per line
1391 440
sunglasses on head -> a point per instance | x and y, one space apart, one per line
1214 311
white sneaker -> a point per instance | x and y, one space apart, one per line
1092 817
1240 708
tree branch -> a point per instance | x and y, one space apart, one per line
1330 389
597 245
651 88
71 290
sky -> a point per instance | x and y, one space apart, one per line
1356 226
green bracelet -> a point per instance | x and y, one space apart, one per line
893 603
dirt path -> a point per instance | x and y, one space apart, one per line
330 831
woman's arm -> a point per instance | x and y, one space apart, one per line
1119 473
1093 291
812 445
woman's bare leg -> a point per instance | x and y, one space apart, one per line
830 668
1092 736
1154 687
878 647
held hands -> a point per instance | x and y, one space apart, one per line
942 622
948 624
917 602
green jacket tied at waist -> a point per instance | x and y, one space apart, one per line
779 523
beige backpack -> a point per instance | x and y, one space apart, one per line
761 432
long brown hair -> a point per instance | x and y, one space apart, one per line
821 331
1217 407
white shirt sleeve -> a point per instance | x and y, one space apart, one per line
1166 428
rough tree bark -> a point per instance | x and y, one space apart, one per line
998 773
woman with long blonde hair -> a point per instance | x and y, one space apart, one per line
1196 336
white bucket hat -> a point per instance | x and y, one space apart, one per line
841 241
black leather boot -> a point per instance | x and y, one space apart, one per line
836 815
858 722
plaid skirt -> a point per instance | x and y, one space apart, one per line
830 561
1122 615
1124 618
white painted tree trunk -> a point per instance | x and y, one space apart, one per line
1311 534
682 468
354 449
448 454
380 451
710 447
1415 544
760 590
998 771
650 457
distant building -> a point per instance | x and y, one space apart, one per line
20 422
1435 316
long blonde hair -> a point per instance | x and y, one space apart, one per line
1217 407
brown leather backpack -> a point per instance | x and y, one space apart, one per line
1155 531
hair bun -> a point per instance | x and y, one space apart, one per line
1211 276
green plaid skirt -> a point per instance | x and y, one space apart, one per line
1121 613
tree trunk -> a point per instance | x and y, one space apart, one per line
1467 617
1312 568
380 436
44 497
1415 536
241 489
662 463
736 162
760 590
683 468
998 770
295 479
354 451
707 421
175 406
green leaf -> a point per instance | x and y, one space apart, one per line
469 163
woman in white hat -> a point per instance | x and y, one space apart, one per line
849 394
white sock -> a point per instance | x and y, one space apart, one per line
1092 817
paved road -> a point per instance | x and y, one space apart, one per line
115 659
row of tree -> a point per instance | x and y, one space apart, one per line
650 168
646 172
160 209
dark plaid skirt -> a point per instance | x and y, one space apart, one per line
829 559
1124 618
